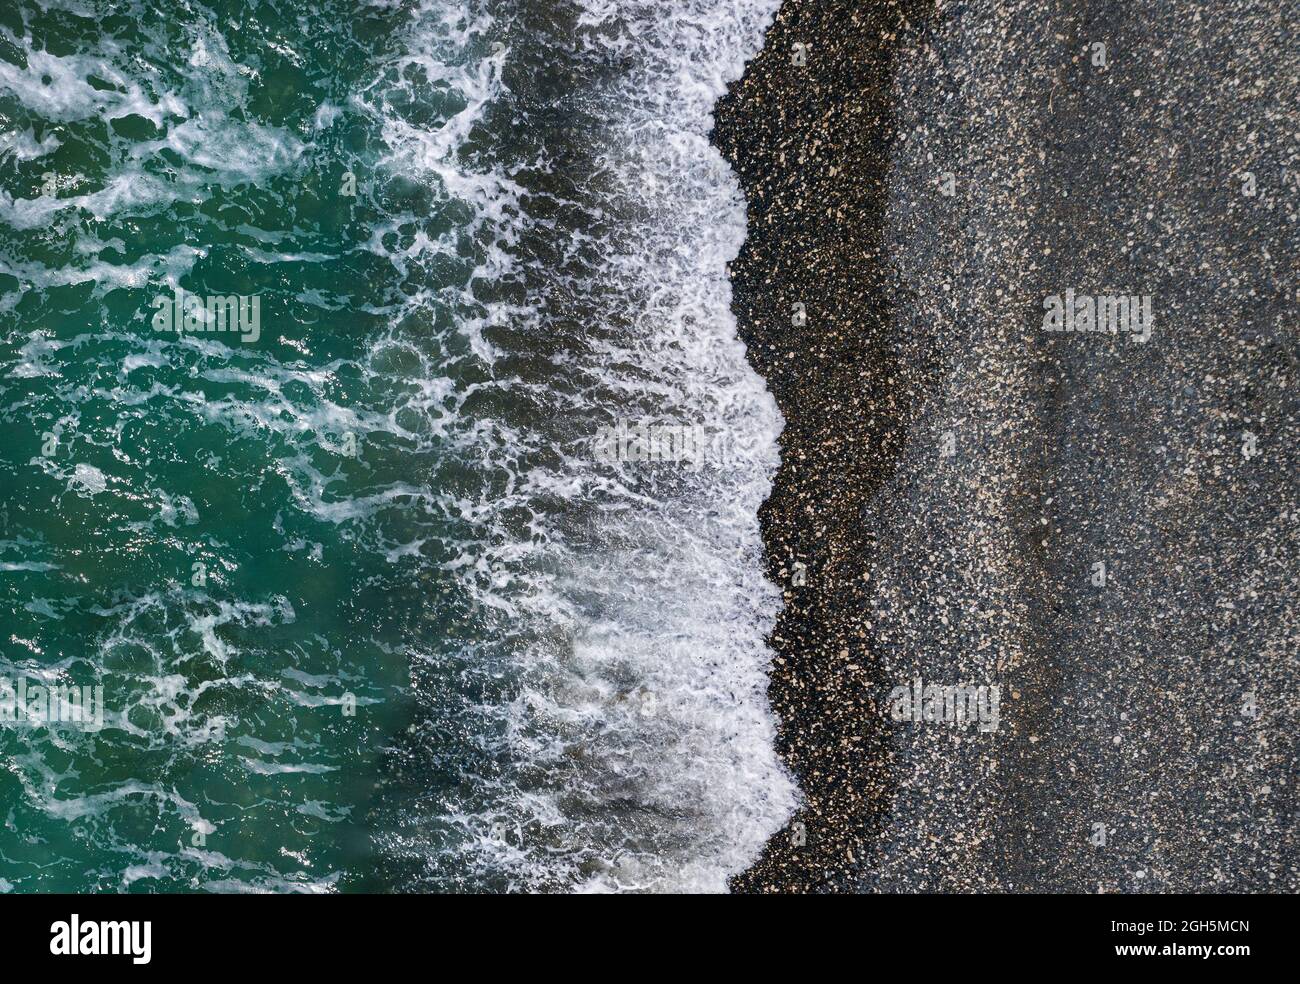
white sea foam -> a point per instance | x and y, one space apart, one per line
635 618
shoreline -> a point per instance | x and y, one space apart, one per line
815 239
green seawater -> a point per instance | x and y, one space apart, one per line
358 607
200 525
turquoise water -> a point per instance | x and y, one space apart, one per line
366 611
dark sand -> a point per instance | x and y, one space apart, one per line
1125 708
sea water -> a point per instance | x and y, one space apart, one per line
367 610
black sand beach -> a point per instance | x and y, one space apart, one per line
921 177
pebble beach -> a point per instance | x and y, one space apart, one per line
1097 527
